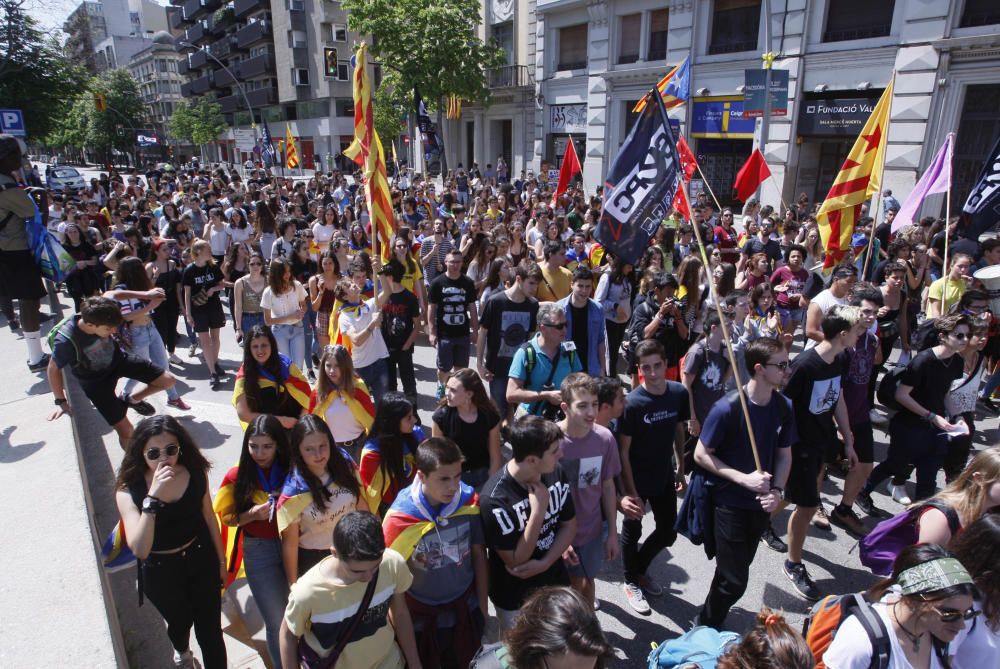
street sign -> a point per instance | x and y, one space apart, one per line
244 139
753 93
12 122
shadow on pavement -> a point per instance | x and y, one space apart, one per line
11 453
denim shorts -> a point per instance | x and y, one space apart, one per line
797 315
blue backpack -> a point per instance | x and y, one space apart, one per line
700 648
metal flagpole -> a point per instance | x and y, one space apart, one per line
881 188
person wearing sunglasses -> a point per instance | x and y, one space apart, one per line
923 606
162 496
540 365
978 549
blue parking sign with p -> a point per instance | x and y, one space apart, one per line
12 122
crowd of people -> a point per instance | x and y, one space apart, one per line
370 537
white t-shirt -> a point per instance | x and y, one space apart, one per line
218 240
322 234
852 649
239 235
283 305
374 346
343 425
316 525
824 301
977 646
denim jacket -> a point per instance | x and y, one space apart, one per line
596 334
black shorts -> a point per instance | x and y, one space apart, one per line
101 391
20 277
802 488
208 317
453 353
864 443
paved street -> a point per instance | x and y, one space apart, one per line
682 570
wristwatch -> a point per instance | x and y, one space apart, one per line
60 401
781 491
151 505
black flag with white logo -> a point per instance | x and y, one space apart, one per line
982 210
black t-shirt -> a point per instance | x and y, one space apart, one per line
472 438
89 356
771 248
814 389
397 318
930 377
508 324
579 333
202 278
453 298
725 433
957 244
651 421
505 510
882 234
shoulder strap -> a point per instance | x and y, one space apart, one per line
872 623
355 621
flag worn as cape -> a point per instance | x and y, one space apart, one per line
293 382
857 181
570 168
674 87
935 179
292 154
296 496
359 401
411 516
379 488
115 553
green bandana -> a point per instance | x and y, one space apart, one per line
934 575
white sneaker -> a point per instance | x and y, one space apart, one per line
175 359
633 593
899 494
184 660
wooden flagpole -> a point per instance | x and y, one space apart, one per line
944 265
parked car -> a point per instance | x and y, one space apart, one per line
60 177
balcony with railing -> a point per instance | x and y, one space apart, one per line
201 85
257 66
223 79
247 7
197 33
195 9
223 47
176 19
197 60
252 34
262 97
510 76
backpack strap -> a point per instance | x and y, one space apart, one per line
873 626
954 522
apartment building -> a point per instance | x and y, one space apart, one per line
156 70
106 34
279 51
591 60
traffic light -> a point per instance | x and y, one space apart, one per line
330 61
100 102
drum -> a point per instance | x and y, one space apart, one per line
990 278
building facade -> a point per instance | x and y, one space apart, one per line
292 59
593 59
156 70
107 34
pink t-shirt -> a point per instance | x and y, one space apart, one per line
588 462
795 282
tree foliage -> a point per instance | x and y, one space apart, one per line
35 77
199 122
392 102
82 126
430 44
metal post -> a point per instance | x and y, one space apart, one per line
768 59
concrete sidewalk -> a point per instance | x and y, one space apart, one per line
54 608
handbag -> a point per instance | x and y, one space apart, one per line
310 659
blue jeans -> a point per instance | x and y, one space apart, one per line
291 341
376 377
268 585
266 242
147 344
247 321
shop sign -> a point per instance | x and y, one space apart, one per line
721 117
834 118
568 118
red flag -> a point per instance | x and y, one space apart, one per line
688 166
751 176
570 168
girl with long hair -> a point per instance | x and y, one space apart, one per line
305 268
757 270
689 294
359 241
321 488
770 644
978 549
413 276
498 275
162 495
322 295
234 268
387 457
467 416
137 297
83 280
265 224
166 276
763 319
324 227
248 499
283 303
518 250
238 228
973 494
342 399
268 383
215 234
203 281
247 292
614 292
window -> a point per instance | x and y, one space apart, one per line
628 39
572 48
735 25
295 5
297 39
312 109
980 13
338 32
659 23
503 33
345 107
300 77
343 73
857 19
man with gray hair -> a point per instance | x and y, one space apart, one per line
542 363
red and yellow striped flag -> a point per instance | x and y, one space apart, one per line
454 107
856 182
366 151
292 157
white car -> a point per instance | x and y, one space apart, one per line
60 177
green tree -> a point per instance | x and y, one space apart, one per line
116 127
392 103
35 77
429 44
198 122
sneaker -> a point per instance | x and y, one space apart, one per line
14 324
899 494
184 660
773 541
820 520
179 404
143 408
867 504
801 581
649 586
175 359
219 371
311 375
846 519
215 382
633 593
193 350
877 418
42 363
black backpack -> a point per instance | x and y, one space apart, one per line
886 392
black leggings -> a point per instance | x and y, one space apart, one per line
637 560
616 332
184 587
165 320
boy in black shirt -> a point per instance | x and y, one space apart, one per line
400 327
529 517
452 319
743 497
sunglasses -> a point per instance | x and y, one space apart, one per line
783 365
171 451
961 336
952 616
558 326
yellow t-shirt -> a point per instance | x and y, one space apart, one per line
950 294
410 279
321 610
554 285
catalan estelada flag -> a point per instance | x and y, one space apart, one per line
411 516
291 153
675 87
358 400
292 382
454 107
115 553
366 151
856 182
296 496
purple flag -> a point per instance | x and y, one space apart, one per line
935 179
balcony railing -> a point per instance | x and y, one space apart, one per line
195 9
262 97
258 31
257 66
197 33
246 7
510 76
197 60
